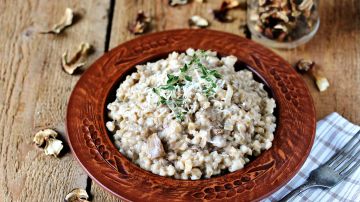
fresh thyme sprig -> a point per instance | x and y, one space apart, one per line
210 76
168 96
168 92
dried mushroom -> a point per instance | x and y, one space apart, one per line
283 20
305 65
230 4
77 195
155 147
52 146
66 21
306 5
198 21
177 2
43 135
141 24
310 67
221 14
77 60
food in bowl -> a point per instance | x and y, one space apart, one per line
191 116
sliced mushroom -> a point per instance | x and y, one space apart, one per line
66 21
155 147
77 195
177 2
198 21
217 131
141 24
70 66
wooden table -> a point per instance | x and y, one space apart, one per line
34 90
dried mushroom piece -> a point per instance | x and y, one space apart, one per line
198 21
306 5
43 135
221 14
305 65
141 24
53 146
281 27
155 147
77 195
177 2
230 4
66 21
311 68
76 61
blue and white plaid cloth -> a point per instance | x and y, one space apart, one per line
332 133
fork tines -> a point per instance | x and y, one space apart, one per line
346 160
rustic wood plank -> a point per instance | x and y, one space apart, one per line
166 17
336 48
99 194
34 92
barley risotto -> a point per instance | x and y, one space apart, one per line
191 116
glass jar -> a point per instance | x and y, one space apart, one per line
283 23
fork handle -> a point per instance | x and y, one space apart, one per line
298 190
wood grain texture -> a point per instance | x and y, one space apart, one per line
165 17
34 92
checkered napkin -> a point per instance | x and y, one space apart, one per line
332 133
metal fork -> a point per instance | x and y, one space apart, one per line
341 165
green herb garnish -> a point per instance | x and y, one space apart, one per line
172 79
171 93
184 69
188 78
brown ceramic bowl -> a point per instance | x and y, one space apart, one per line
92 146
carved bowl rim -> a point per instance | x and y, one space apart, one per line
92 147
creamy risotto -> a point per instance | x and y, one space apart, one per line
191 116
